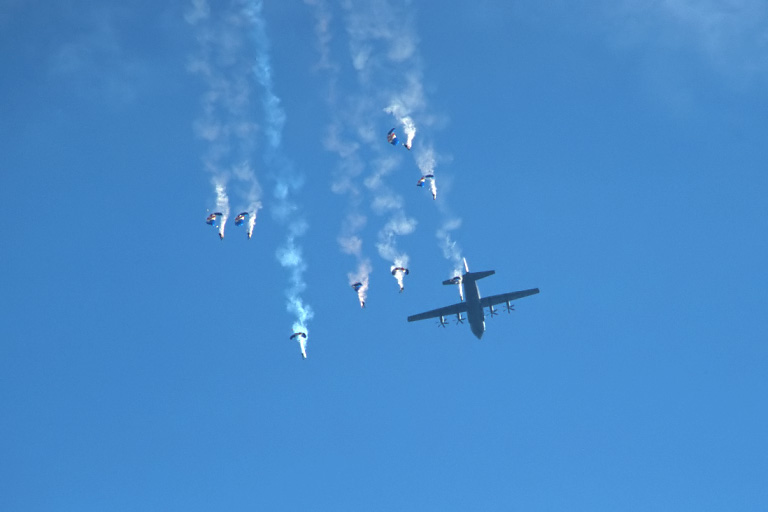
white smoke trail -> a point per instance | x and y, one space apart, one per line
409 126
302 343
287 181
225 124
398 225
407 100
397 271
451 250
445 233
222 204
410 131
384 22
323 20
383 50
351 243
361 275
427 163
339 142
252 196
382 46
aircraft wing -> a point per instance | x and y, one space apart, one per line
506 297
461 307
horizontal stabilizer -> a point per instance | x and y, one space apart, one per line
479 275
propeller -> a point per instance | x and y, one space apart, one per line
492 312
510 307
459 319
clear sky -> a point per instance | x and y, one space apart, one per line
612 154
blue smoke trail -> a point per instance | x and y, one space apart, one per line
287 212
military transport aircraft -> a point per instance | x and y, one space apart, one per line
474 305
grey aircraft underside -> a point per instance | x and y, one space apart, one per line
472 304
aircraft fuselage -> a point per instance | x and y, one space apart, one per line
475 314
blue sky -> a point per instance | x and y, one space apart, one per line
611 154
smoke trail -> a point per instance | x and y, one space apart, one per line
409 126
302 344
398 225
433 188
290 257
287 181
427 163
382 47
445 233
225 125
252 196
351 243
351 165
407 100
397 270
391 23
451 250
323 21
361 276
410 131
263 70
222 204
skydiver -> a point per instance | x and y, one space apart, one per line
407 146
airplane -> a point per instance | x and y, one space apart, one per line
474 304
